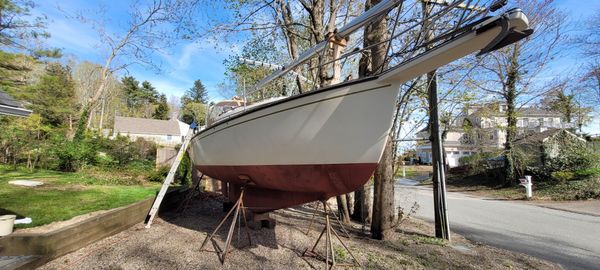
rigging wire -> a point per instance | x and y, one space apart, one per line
409 50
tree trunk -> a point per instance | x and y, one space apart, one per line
343 211
290 36
90 119
511 118
384 214
101 124
374 33
350 202
362 204
316 12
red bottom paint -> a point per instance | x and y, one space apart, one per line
280 186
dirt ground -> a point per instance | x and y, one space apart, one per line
173 242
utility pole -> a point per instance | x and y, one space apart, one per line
442 227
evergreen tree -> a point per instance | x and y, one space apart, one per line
148 93
193 104
18 26
130 89
162 109
139 97
53 97
197 93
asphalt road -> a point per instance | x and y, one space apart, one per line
570 239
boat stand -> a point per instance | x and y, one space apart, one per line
312 219
329 258
236 209
190 195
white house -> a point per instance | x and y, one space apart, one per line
163 132
482 128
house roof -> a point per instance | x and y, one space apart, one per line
539 137
521 112
530 111
9 106
134 125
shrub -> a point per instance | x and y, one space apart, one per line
158 175
590 189
571 161
124 151
72 156
565 160
105 160
584 173
478 163
139 166
563 176
185 170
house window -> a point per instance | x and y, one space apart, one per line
525 122
169 137
465 153
456 152
541 123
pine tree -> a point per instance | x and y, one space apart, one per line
130 88
193 104
197 93
162 110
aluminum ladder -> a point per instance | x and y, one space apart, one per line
170 177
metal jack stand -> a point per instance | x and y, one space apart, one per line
190 195
312 220
328 231
239 205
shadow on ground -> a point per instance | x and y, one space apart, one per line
9 212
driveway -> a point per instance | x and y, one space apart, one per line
567 238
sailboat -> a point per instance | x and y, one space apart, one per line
312 146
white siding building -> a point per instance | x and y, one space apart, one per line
482 128
163 132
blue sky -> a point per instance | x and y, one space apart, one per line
188 61
180 65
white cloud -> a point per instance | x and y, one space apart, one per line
72 37
187 53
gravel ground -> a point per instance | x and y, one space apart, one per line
173 242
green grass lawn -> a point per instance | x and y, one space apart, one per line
413 171
66 195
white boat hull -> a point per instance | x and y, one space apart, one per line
325 143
